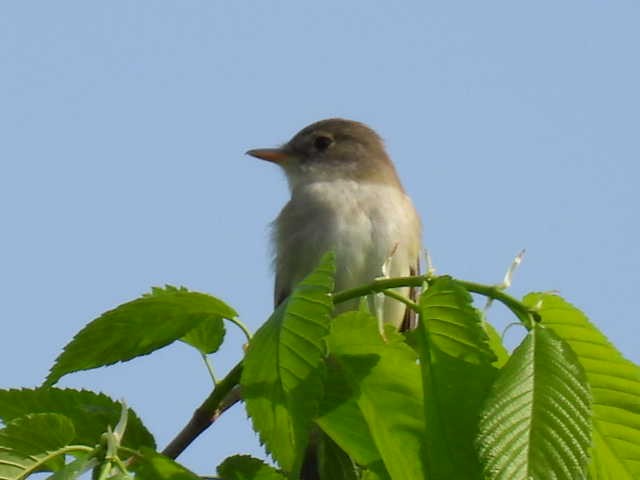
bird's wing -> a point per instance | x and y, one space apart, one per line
280 292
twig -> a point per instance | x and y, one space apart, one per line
224 396
524 314
401 298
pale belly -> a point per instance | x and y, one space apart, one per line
365 225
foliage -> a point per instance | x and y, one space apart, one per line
445 401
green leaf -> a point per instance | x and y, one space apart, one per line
384 377
282 375
536 421
375 471
496 345
333 462
128 476
17 467
340 416
137 328
155 466
455 327
91 413
31 443
72 470
615 385
207 336
457 374
37 433
245 467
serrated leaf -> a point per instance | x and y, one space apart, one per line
455 360
30 443
615 385
137 328
166 290
383 374
37 433
152 465
207 336
455 327
537 419
91 413
245 467
282 375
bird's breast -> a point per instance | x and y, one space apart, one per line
363 223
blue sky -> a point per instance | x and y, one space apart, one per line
121 162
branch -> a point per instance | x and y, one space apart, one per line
378 286
224 396
524 314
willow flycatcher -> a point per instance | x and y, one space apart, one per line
345 196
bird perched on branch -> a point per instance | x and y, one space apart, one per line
345 196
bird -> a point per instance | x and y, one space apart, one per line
346 197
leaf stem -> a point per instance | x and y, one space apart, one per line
120 464
401 298
236 321
69 449
105 470
208 364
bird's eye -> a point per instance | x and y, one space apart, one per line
321 143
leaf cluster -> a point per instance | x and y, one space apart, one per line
338 397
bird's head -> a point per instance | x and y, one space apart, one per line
333 149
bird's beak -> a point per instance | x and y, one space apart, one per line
275 155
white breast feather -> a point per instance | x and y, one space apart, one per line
362 222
